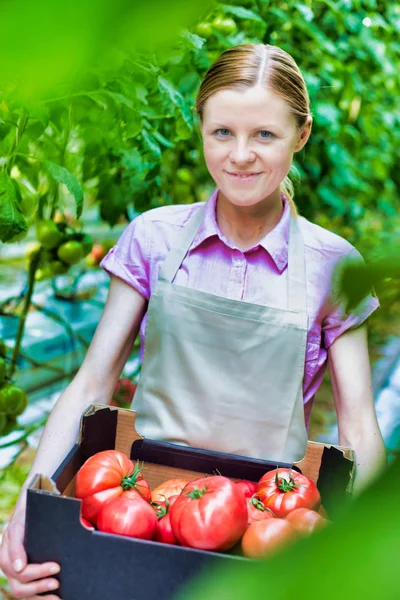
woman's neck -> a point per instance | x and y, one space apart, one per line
246 226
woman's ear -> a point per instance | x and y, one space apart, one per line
304 134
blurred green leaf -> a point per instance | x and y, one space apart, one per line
61 175
241 13
355 557
12 221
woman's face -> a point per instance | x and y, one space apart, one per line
249 138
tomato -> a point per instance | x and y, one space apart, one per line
204 30
48 234
11 424
306 521
285 490
256 510
70 252
169 488
13 400
104 476
128 514
185 175
164 531
210 514
57 267
3 370
248 488
123 392
87 524
224 26
263 538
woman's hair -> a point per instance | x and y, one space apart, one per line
248 65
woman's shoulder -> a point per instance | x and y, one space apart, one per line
321 241
176 215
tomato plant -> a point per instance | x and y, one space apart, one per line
265 537
285 490
128 514
105 476
210 514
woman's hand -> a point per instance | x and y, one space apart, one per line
26 581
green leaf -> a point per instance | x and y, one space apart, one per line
160 138
195 41
176 98
151 144
61 175
306 12
12 221
241 13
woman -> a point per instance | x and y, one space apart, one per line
231 298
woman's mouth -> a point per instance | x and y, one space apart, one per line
243 176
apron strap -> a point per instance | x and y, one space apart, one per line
297 299
177 253
297 292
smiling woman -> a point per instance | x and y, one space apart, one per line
232 298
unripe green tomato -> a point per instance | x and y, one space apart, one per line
32 250
13 400
224 26
58 268
70 252
3 370
43 273
48 234
185 175
204 30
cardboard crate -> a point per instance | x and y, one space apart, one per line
101 566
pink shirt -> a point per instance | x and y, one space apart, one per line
258 275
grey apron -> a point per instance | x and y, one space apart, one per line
224 374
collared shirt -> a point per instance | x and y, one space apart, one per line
258 275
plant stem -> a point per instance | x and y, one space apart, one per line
22 122
33 265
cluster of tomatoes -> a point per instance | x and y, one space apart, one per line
209 513
13 399
59 247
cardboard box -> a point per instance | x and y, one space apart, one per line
100 566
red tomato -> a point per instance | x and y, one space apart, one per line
171 487
306 521
248 488
124 392
164 531
210 514
104 476
87 524
285 490
256 510
263 538
128 514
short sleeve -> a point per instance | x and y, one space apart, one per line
338 321
129 258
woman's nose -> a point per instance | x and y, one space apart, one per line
242 153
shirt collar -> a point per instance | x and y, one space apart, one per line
275 242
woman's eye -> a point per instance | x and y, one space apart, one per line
223 132
265 135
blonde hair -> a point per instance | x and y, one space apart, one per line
248 65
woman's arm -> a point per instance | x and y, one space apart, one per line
94 383
352 389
